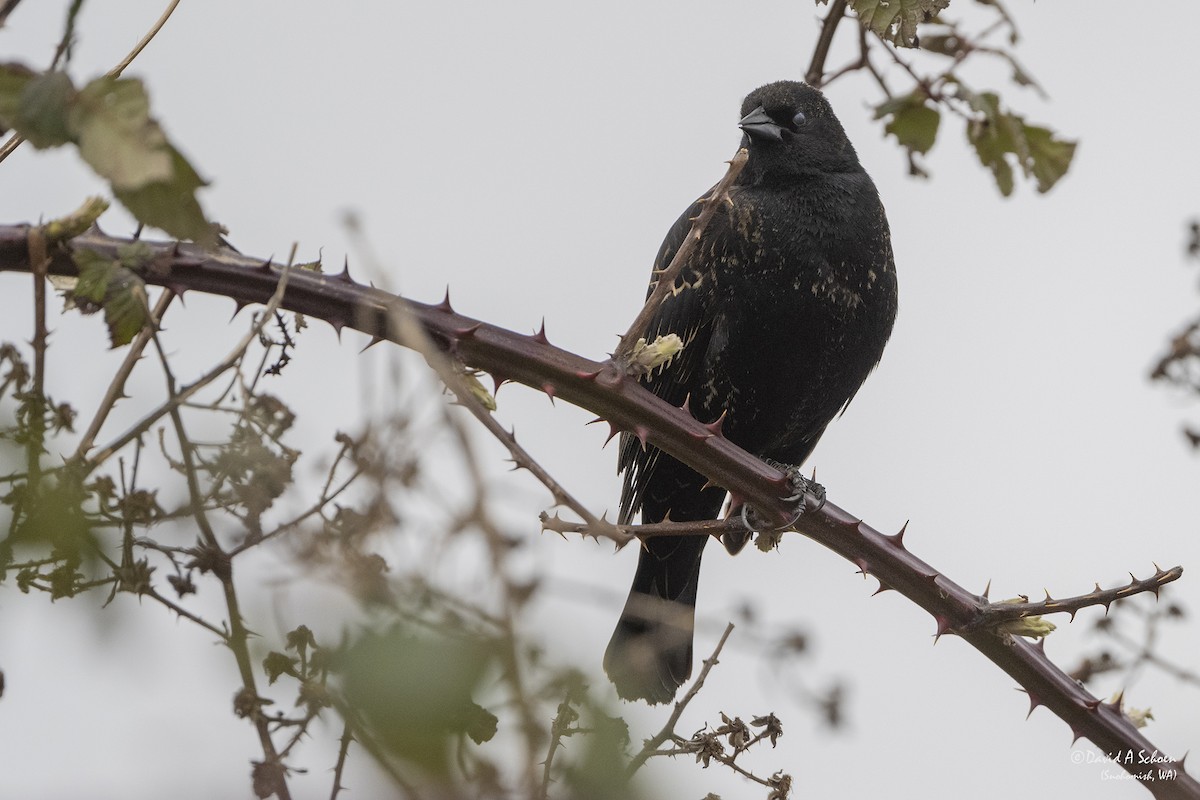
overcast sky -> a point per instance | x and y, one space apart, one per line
532 155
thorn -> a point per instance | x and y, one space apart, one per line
1132 579
1041 646
337 326
700 437
445 304
594 421
1034 701
897 540
642 433
177 289
1076 734
498 380
344 275
716 425
613 430
864 568
1092 705
467 332
374 341
987 590
931 578
239 305
1157 569
944 626
686 408
587 376
550 391
266 265
1117 700
540 336
883 587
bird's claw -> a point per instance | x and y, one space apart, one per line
804 491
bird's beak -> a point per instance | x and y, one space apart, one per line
758 125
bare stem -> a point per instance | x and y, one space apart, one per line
994 614
816 67
116 388
665 281
668 730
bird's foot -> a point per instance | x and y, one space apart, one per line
806 489
806 493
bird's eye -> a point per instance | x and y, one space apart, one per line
799 119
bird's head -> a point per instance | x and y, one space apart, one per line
790 130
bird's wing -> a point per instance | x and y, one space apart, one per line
688 313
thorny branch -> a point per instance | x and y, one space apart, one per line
994 614
627 405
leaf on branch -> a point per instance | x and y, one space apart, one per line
42 110
13 80
1001 138
276 664
117 289
897 20
912 122
109 120
117 136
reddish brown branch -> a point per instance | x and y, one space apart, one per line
996 613
628 406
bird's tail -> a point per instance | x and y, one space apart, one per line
650 653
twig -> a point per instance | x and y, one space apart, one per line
343 749
417 338
994 614
17 139
145 40
708 527
665 280
560 726
37 416
116 388
816 67
668 730
178 398
7 8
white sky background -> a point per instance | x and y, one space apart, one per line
532 155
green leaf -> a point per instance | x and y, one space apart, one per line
913 123
1050 158
111 121
42 115
115 288
1001 138
414 693
171 204
13 80
276 664
897 20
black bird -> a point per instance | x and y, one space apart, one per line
784 307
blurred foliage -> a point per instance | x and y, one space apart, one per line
108 120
